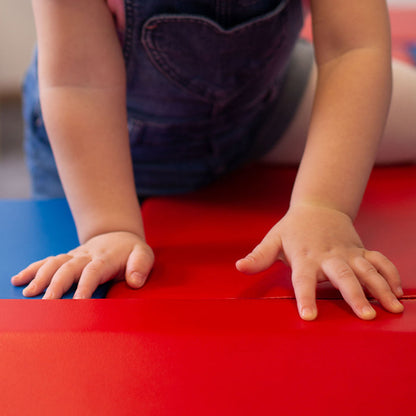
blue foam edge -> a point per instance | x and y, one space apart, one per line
32 230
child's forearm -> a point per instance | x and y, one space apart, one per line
348 119
82 89
316 237
350 108
90 142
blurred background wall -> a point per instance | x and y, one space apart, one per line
17 37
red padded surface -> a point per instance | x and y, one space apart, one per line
224 357
162 356
197 238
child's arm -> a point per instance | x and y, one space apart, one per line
83 99
316 237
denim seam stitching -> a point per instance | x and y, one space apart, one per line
128 33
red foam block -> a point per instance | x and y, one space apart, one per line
197 238
218 357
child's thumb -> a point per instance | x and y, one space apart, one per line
139 266
262 257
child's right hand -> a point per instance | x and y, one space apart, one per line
114 255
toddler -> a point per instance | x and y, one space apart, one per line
155 97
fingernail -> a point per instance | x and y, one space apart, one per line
368 312
308 314
238 263
29 288
15 277
399 292
397 305
249 257
48 295
79 296
138 279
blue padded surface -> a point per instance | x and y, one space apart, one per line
30 231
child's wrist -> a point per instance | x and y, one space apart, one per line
315 204
107 228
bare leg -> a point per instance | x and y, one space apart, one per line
399 141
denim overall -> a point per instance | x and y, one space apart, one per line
202 78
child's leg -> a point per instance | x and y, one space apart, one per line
399 141
289 149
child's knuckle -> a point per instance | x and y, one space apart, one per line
343 272
97 264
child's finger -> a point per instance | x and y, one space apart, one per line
304 284
376 285
44 275
27 274
65 276
95 272
342 277
139 265
387 269
262 257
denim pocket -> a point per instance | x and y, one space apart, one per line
218 64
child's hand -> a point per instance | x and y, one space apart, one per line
107 256
321 244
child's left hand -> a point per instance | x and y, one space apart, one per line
320 243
